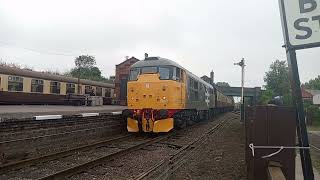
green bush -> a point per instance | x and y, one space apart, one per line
314 111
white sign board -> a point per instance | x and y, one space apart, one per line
301 23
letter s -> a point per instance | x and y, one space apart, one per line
302 28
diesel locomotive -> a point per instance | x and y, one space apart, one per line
162 95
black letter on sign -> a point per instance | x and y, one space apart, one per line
315 18
302 28
307 5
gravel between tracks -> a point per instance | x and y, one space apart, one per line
222 156
315 153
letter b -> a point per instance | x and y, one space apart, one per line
307 5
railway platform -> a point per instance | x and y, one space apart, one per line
29 111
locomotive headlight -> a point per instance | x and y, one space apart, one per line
164 98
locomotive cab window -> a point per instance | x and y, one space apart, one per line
165 73
15 83
178 74
37 85
55 87
134 74
149 70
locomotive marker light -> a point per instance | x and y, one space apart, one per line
242 65
301 29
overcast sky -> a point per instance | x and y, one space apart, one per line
200 35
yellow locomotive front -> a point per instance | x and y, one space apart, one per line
156 91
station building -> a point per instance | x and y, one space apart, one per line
121 80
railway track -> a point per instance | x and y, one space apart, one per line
314 141
37 138
34 138
166 167
67 163
14 126
72 162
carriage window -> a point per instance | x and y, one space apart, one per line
37 85
99 91
55 87
15 83
147 70
191 82
201 86
71 88
164 73
79 89
88 90
107 92
134 74
196 95
196 85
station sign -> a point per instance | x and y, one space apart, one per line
301 23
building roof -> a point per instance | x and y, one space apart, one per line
130 59
305 94
41 75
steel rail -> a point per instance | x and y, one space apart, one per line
169 165
57 134
84 166
55 128
49 123
19 164
314 147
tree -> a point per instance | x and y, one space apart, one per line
313 83
85 61
266 96
86 69
92 73
223 84
277 81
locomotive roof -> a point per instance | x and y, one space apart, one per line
158 61
46 76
